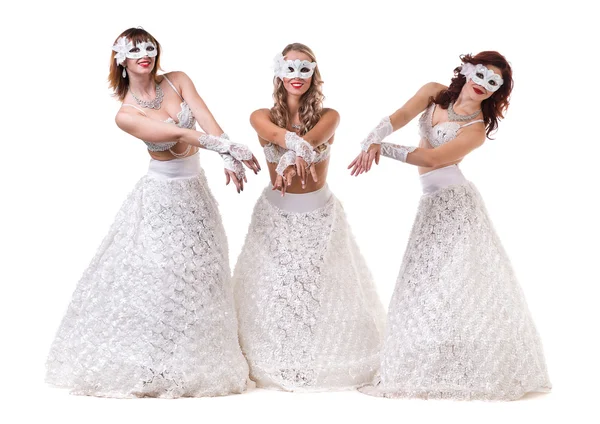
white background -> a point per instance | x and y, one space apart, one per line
66 168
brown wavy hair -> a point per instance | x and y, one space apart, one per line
311 102
116 81
494 107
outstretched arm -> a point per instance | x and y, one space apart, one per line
415 105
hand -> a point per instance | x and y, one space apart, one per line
364 161
282 181
252 164
239 182
302 167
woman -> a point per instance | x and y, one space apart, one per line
153 314
309 315
458 324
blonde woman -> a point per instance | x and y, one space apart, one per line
309 316
153 314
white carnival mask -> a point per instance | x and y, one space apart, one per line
126 49
293 68
483 76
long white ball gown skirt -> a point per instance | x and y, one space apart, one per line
309 315
153 314
458 323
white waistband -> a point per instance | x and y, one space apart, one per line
176 168
442 177
299 202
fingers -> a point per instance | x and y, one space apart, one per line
370 160
256 163
364 162
313 172
236 182
289 175
377 156
301 167
353 162
227 178
355 166
278 183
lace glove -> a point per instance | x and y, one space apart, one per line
287 159
232 164
381 131
396 151
300 146
222 145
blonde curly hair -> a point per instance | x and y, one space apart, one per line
311 102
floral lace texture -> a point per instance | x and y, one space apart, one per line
458 322
309 316
153 314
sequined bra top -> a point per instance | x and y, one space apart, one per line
273 152
440 133
185 119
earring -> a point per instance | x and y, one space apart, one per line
124 73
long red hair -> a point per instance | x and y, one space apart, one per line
116 81
494 107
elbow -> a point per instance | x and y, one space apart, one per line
179 136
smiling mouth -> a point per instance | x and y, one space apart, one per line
297 84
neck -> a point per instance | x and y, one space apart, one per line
465 105
293 104
142 85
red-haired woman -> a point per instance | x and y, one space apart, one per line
458 323
153 314
309 316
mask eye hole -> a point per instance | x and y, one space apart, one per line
479 75
290 69
150 48
305 69
135 50
492 83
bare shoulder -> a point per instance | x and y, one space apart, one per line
334 114
260 115
176 76
431 89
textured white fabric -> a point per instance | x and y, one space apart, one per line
153 314
274 152
301 147
395 151
309 316
442 132
376 136
458 322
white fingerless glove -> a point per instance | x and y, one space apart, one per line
300 146
231 163
381 131
222 144
396 151
287 159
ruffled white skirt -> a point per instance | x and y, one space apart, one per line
309 315
458 323
153 314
